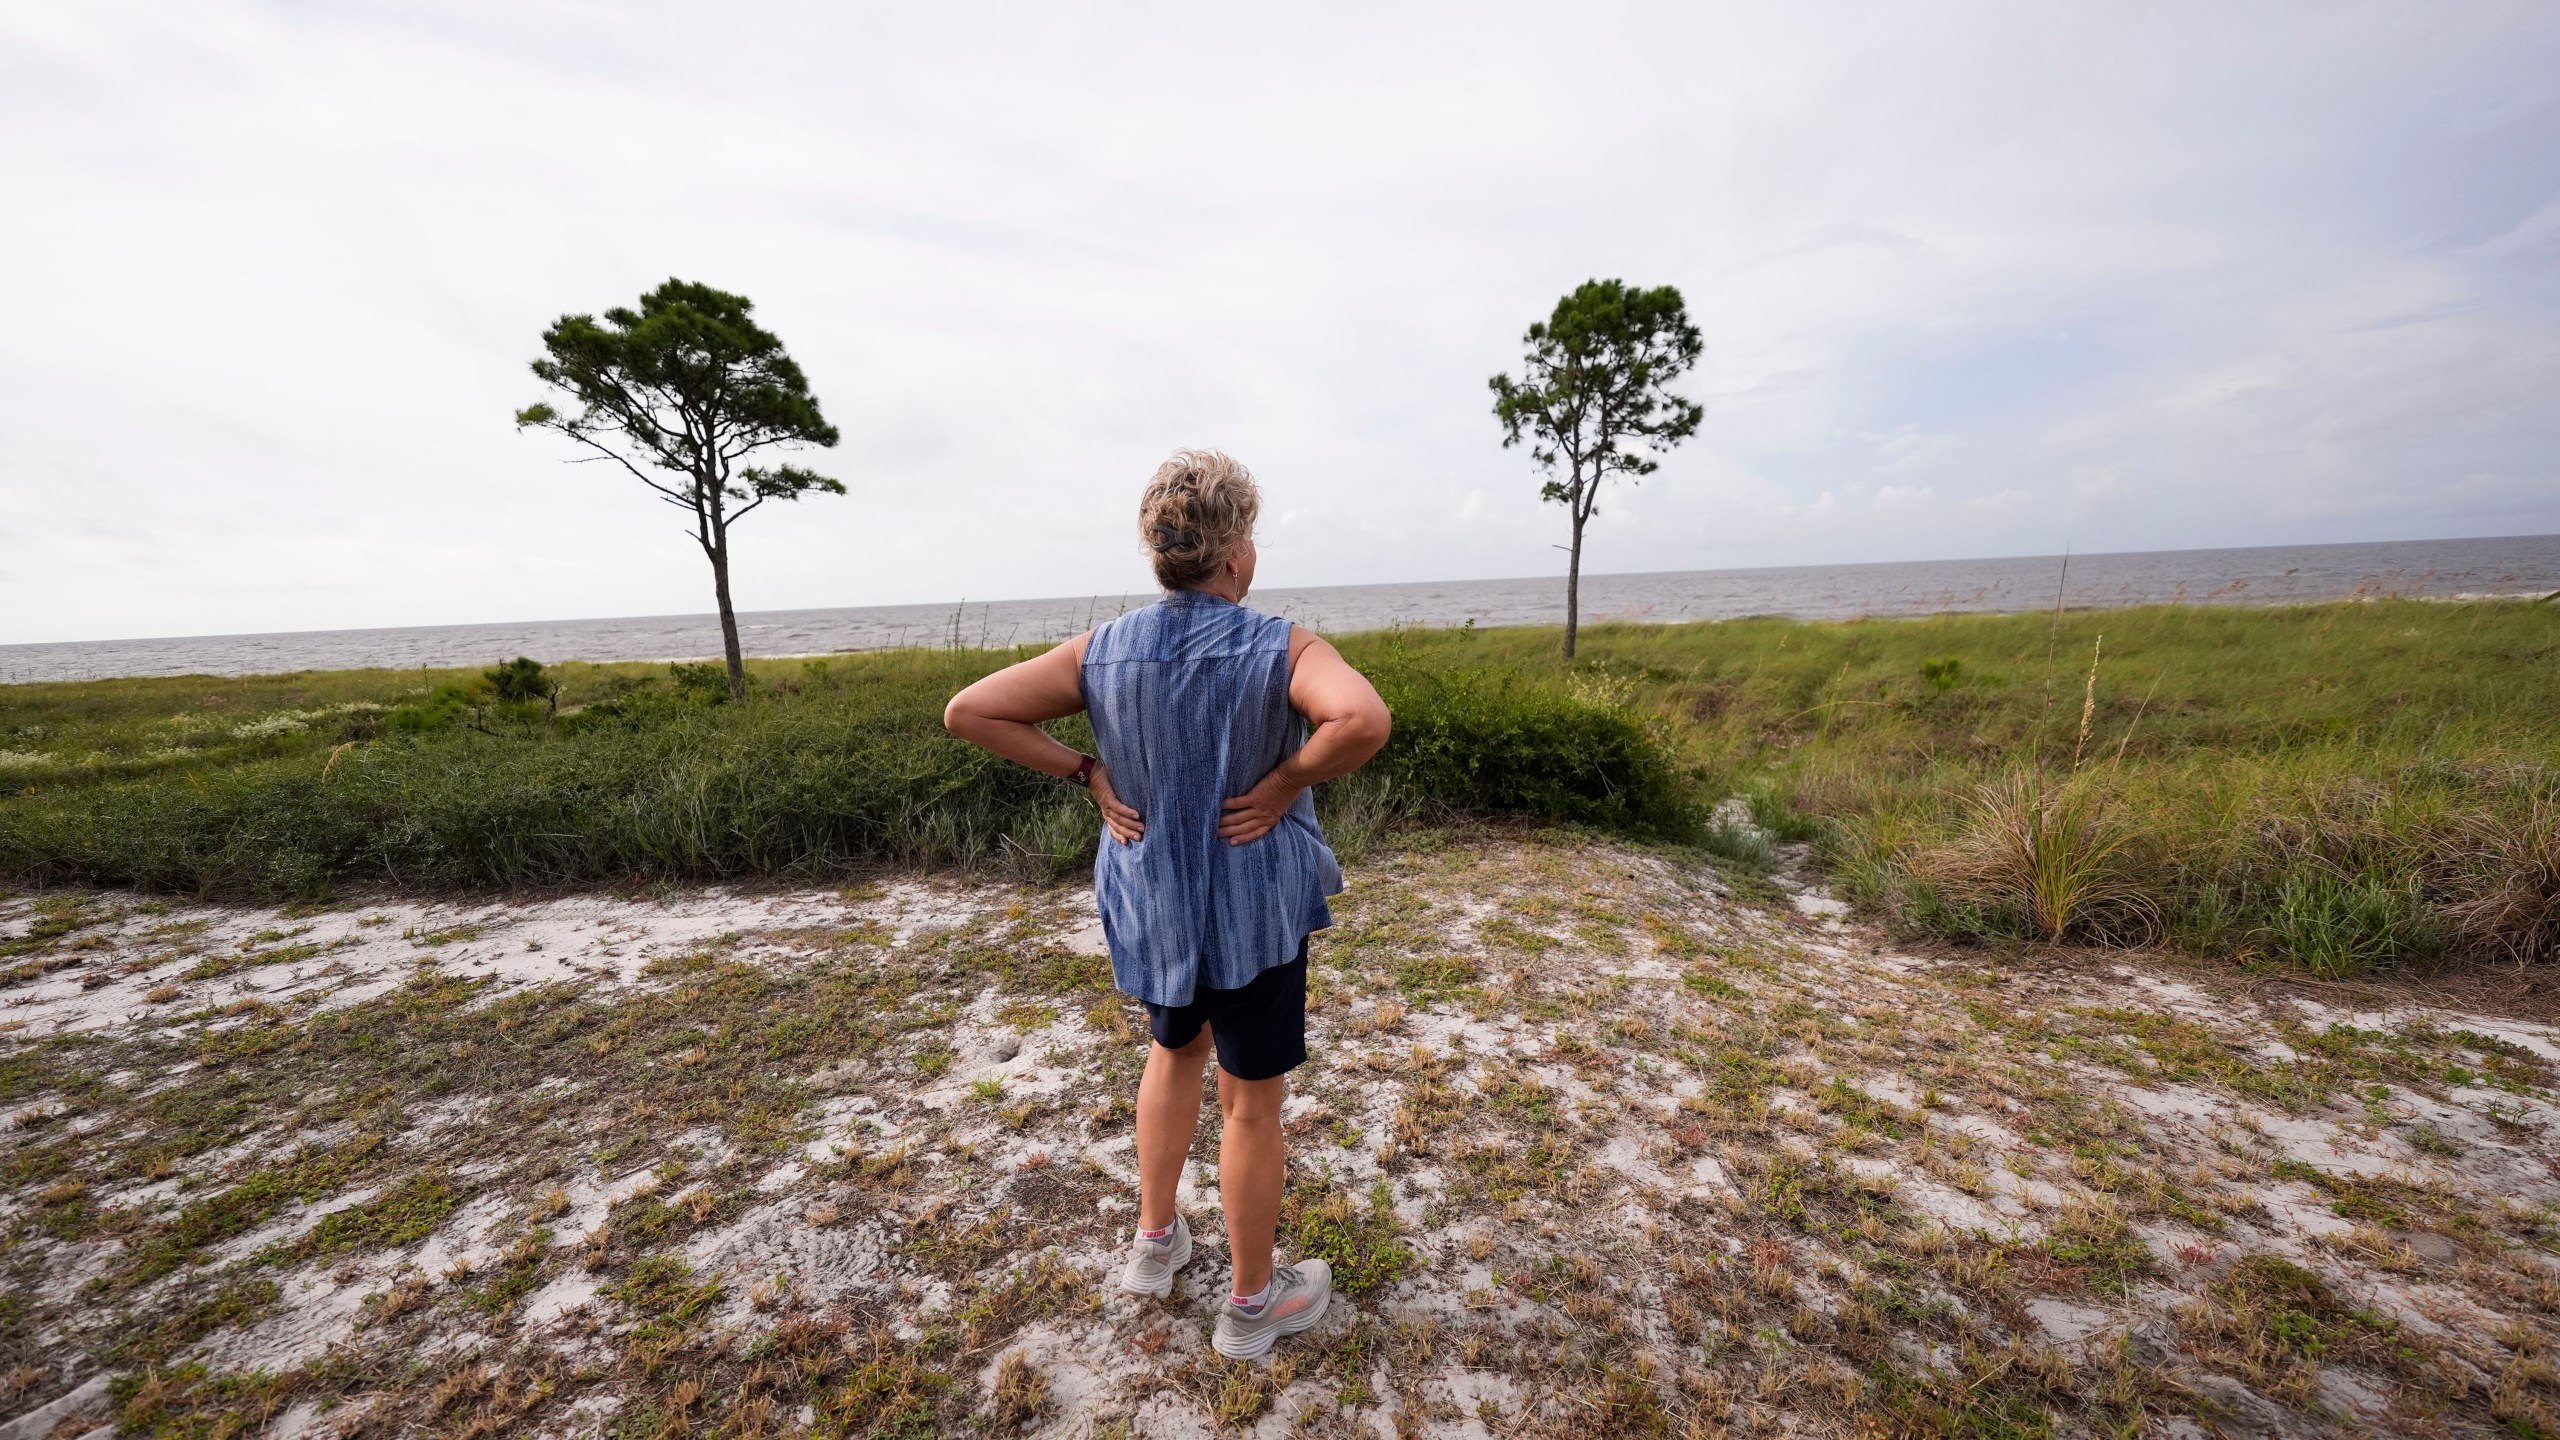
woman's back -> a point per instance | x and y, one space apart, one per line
1212 873
1189 699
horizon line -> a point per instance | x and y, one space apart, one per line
960 605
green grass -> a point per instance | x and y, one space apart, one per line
1361 1245
292 785
2333 788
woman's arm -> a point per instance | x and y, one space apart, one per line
1003 712
1351 725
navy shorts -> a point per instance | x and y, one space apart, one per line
1260 1028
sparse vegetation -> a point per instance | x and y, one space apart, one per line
834 1167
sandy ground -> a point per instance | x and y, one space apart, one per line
1597 1145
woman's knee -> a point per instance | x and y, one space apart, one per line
1191 1056
1251 1102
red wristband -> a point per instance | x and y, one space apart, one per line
1084 773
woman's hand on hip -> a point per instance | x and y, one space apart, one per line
1250 816
1123 823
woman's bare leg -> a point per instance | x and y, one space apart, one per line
1168 1116
1251 1171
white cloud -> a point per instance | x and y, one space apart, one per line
1910 449
2536 234
2277 274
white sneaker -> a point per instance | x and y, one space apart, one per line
1297 1299
1152 1263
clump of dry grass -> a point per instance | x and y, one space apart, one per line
2052 852
1020 1394
2510 904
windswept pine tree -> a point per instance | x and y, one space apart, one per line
1595 381
680 392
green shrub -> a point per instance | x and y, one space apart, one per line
448 704
521 681
1492 741
841 763
705 682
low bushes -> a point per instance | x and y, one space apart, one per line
526 777
1496 741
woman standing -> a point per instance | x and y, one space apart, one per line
1213 873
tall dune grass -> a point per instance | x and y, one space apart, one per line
2331 787
298 783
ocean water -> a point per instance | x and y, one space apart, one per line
2441 569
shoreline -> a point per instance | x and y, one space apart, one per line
2109 580
1589 625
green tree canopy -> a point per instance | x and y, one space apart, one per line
679 393
1593 400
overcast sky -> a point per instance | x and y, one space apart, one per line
1974 279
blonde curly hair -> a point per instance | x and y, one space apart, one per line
1199 507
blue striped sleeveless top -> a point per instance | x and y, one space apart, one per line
1190 705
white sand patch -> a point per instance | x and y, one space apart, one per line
1631 1157
2294 1210
818 1265
2432 1308
591 1200
467 1238
2324 1146
2064 1322
560 1297
844 1127
2026 1191
2542 1040
2177 997
1891 1089
1951 1207
87 1398
1987 1131
1078 1376
302 1417
1819 905
379 944
37 1112
2187 1110
910 908
316 1310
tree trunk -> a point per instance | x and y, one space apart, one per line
1573 588
728 623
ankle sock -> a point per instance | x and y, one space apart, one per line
1253 1302
1164 1234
